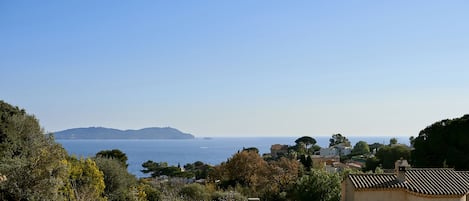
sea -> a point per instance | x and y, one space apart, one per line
208 150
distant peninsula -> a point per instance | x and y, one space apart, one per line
110 133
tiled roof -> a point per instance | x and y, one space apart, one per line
436 181
430 181
464 174
375 181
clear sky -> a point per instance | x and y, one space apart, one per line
237 68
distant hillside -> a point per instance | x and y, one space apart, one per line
110 133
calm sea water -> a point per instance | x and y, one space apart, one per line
212 151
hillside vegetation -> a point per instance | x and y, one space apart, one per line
34 167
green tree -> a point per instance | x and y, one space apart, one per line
151 191
31 161
199 169
388 155
338 139
318 185
162 168
361 147
393 141
118 181
114 154
195 192
371 164
375 146
443 143
306 161
411 141
305 142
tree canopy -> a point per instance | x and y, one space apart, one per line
393 141
114 154
33 164
157 169
306 145
361 147
199 169
443 144
388 155
306 140
118 181
318 185
375 146
338 139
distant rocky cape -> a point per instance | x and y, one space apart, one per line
110 133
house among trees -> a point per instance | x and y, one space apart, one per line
278 150
336 150
408 184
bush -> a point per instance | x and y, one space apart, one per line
319 185
227 196
117 179
195 192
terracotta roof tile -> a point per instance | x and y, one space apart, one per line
464 174
430 181
375 181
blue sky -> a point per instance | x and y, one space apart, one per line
238 68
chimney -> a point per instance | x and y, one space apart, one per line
401 168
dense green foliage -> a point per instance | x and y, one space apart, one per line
305 142
361 147
195 192
375 146
113 154
157 169
32 162
34 167
199 169
317 185
338 139
117 179
306 161
386 156
443 144
304 148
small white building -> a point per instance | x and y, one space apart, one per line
328 152
336 150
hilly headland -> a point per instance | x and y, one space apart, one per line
111 133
